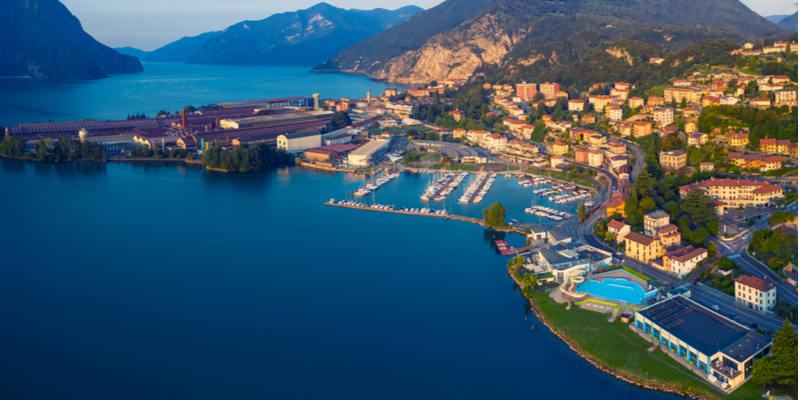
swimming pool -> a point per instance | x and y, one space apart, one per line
619 289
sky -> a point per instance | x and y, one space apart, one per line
150 24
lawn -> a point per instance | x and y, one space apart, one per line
615 345
638 274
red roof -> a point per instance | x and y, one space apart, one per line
767 142
755 283
616 225
738 136
639 238
767 189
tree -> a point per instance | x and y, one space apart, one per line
712 249
647 204
713 227
698 206
781 365
581 212
672 208
340 119
495 215
376 125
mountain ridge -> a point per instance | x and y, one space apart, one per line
42 39
505 27
308 36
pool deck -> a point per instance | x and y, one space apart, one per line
602 304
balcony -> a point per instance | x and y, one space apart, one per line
725 370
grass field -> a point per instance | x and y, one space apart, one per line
638 274
617 346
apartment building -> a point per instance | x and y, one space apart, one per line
655 220
673 159
663 116
756 293
683 260
642 248
738 139
736 192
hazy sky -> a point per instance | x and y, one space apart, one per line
149 24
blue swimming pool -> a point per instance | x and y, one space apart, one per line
619 289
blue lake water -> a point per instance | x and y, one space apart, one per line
168 86
132 281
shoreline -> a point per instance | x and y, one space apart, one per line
656 387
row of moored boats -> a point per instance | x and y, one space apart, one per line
567 198
375 206
375 184
547 212
479 188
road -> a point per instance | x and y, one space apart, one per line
637 169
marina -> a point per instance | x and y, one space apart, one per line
478 189
546 212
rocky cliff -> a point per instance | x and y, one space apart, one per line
42 39
512 33
308 36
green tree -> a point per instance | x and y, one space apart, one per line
581 212
647 204
494 216
781 365
672 208
376 125
713 227
340 119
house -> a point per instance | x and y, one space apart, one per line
684 260
496 143
785 97
706 166
738 139
673 159
656 60
655 101
690 125
596 140
459 133
642 248
642 128
697 139
772 163
667 130
457 115
556 160
582 156
712 346
663 116
760 103
655 220
756 293
635 102
616 204
616 148
619 229
617 161
595 158
576 105
589 119
560 148
682 83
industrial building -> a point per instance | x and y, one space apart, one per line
716 347
295 142
364 155
323 118
271 103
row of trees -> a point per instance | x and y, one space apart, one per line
54 150
244 158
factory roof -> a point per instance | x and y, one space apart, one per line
300 134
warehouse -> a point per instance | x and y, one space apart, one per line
295 142
364 155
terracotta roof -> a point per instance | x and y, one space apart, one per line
767 189
767 141
687 253
639 238
667 229
738 136
755 283
773 159
616 225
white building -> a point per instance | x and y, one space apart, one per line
755 293
296 142
496 143
363 156
683 261
663 116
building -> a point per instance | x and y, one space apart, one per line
756 293
642 128
711 345
785 97
560 148
556 160
364 155
616 148
457 115
760 103
673 159
684 260
736 192
614 113
619 229
669 236
549 90
296 142
616 204
316 118
642 248
655 220
459 133
526 91
780 146
738 139
635 102
496 143
663 116
589 119
576 105
582 156
329 152
595 158
682 83
655 101
697 139
706 166
617 161
690 125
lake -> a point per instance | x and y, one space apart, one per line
131 281
169 86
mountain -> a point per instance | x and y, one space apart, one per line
181 49
492 32
776 18
789 23
302 37
132 51
42 39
